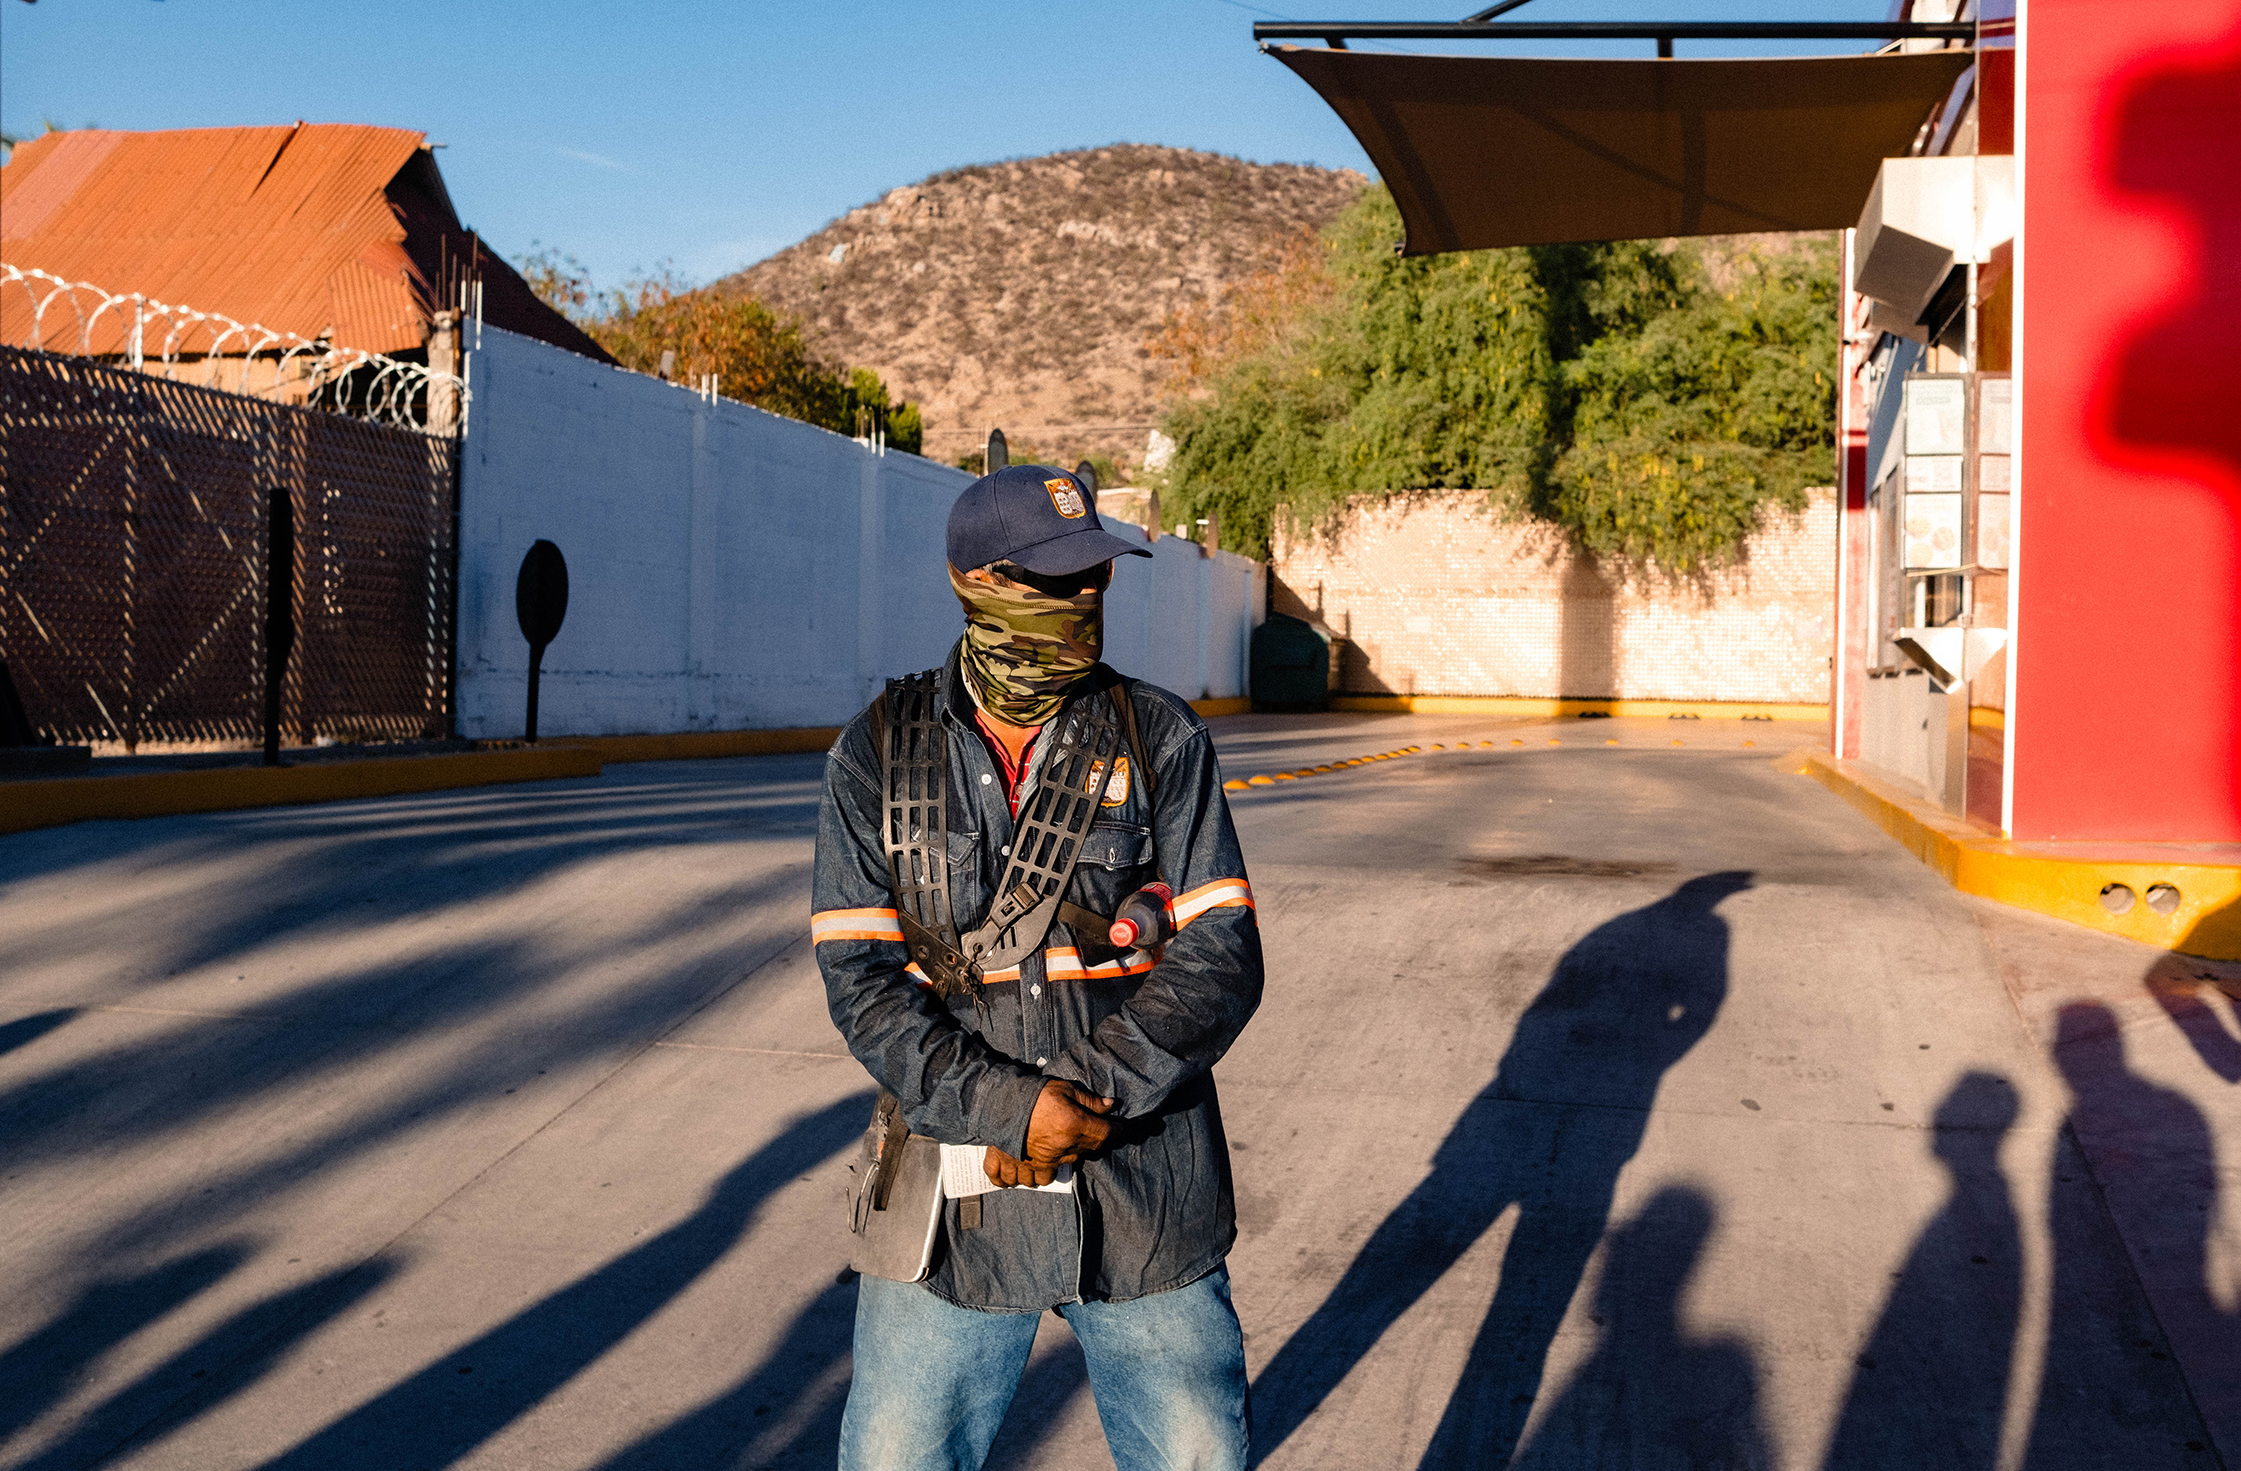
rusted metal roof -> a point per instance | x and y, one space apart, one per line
321 229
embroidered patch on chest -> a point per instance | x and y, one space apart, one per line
1067 496
1116 788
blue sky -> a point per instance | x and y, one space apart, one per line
709 135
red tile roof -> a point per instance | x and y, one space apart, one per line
319 228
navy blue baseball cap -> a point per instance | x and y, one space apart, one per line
1035 515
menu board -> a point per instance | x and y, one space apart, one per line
1933 531
1936 416
1992 531
1995 416
1933 474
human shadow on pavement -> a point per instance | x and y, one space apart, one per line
2198 1000
1930 1387
1651 1396
455 1404
2129 1310
1549 1135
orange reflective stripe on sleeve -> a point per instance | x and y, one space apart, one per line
1064 963
991 978
1220 894
854 924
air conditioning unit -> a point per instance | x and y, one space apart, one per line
1926 220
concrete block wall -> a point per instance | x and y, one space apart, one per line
1436 595
730 569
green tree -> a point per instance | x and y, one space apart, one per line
1685 428
1607 388
904 426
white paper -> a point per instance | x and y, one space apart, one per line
1933 531
1936 416
1995 419
1992 531
965 1172
1933 474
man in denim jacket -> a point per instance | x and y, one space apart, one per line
1103 1065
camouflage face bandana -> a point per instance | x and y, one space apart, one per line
1023 649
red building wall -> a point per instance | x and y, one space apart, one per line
2125 716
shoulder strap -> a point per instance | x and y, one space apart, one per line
1123 691
1046 845
914 771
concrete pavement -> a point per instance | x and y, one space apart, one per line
1615 1104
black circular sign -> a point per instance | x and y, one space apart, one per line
541 594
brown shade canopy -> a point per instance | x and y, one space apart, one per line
1482 151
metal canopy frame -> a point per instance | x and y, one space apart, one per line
1483 26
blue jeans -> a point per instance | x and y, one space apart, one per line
933 1379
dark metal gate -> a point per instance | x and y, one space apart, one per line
138 522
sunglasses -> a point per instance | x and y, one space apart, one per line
1063 585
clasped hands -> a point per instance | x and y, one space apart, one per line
1067 1124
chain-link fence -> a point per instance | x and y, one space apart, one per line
156 537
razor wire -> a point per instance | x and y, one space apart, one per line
212 350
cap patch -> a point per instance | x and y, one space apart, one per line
1067 496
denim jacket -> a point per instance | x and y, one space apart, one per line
1152 1211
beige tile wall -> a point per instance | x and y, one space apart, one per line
1435 595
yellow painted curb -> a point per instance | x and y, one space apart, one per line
695 745
36 804
1208 709
1522 705
2207 921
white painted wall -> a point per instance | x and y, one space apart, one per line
729 569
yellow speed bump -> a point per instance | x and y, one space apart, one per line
1344 763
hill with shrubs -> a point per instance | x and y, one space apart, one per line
1025 294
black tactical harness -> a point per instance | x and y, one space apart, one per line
1085 738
